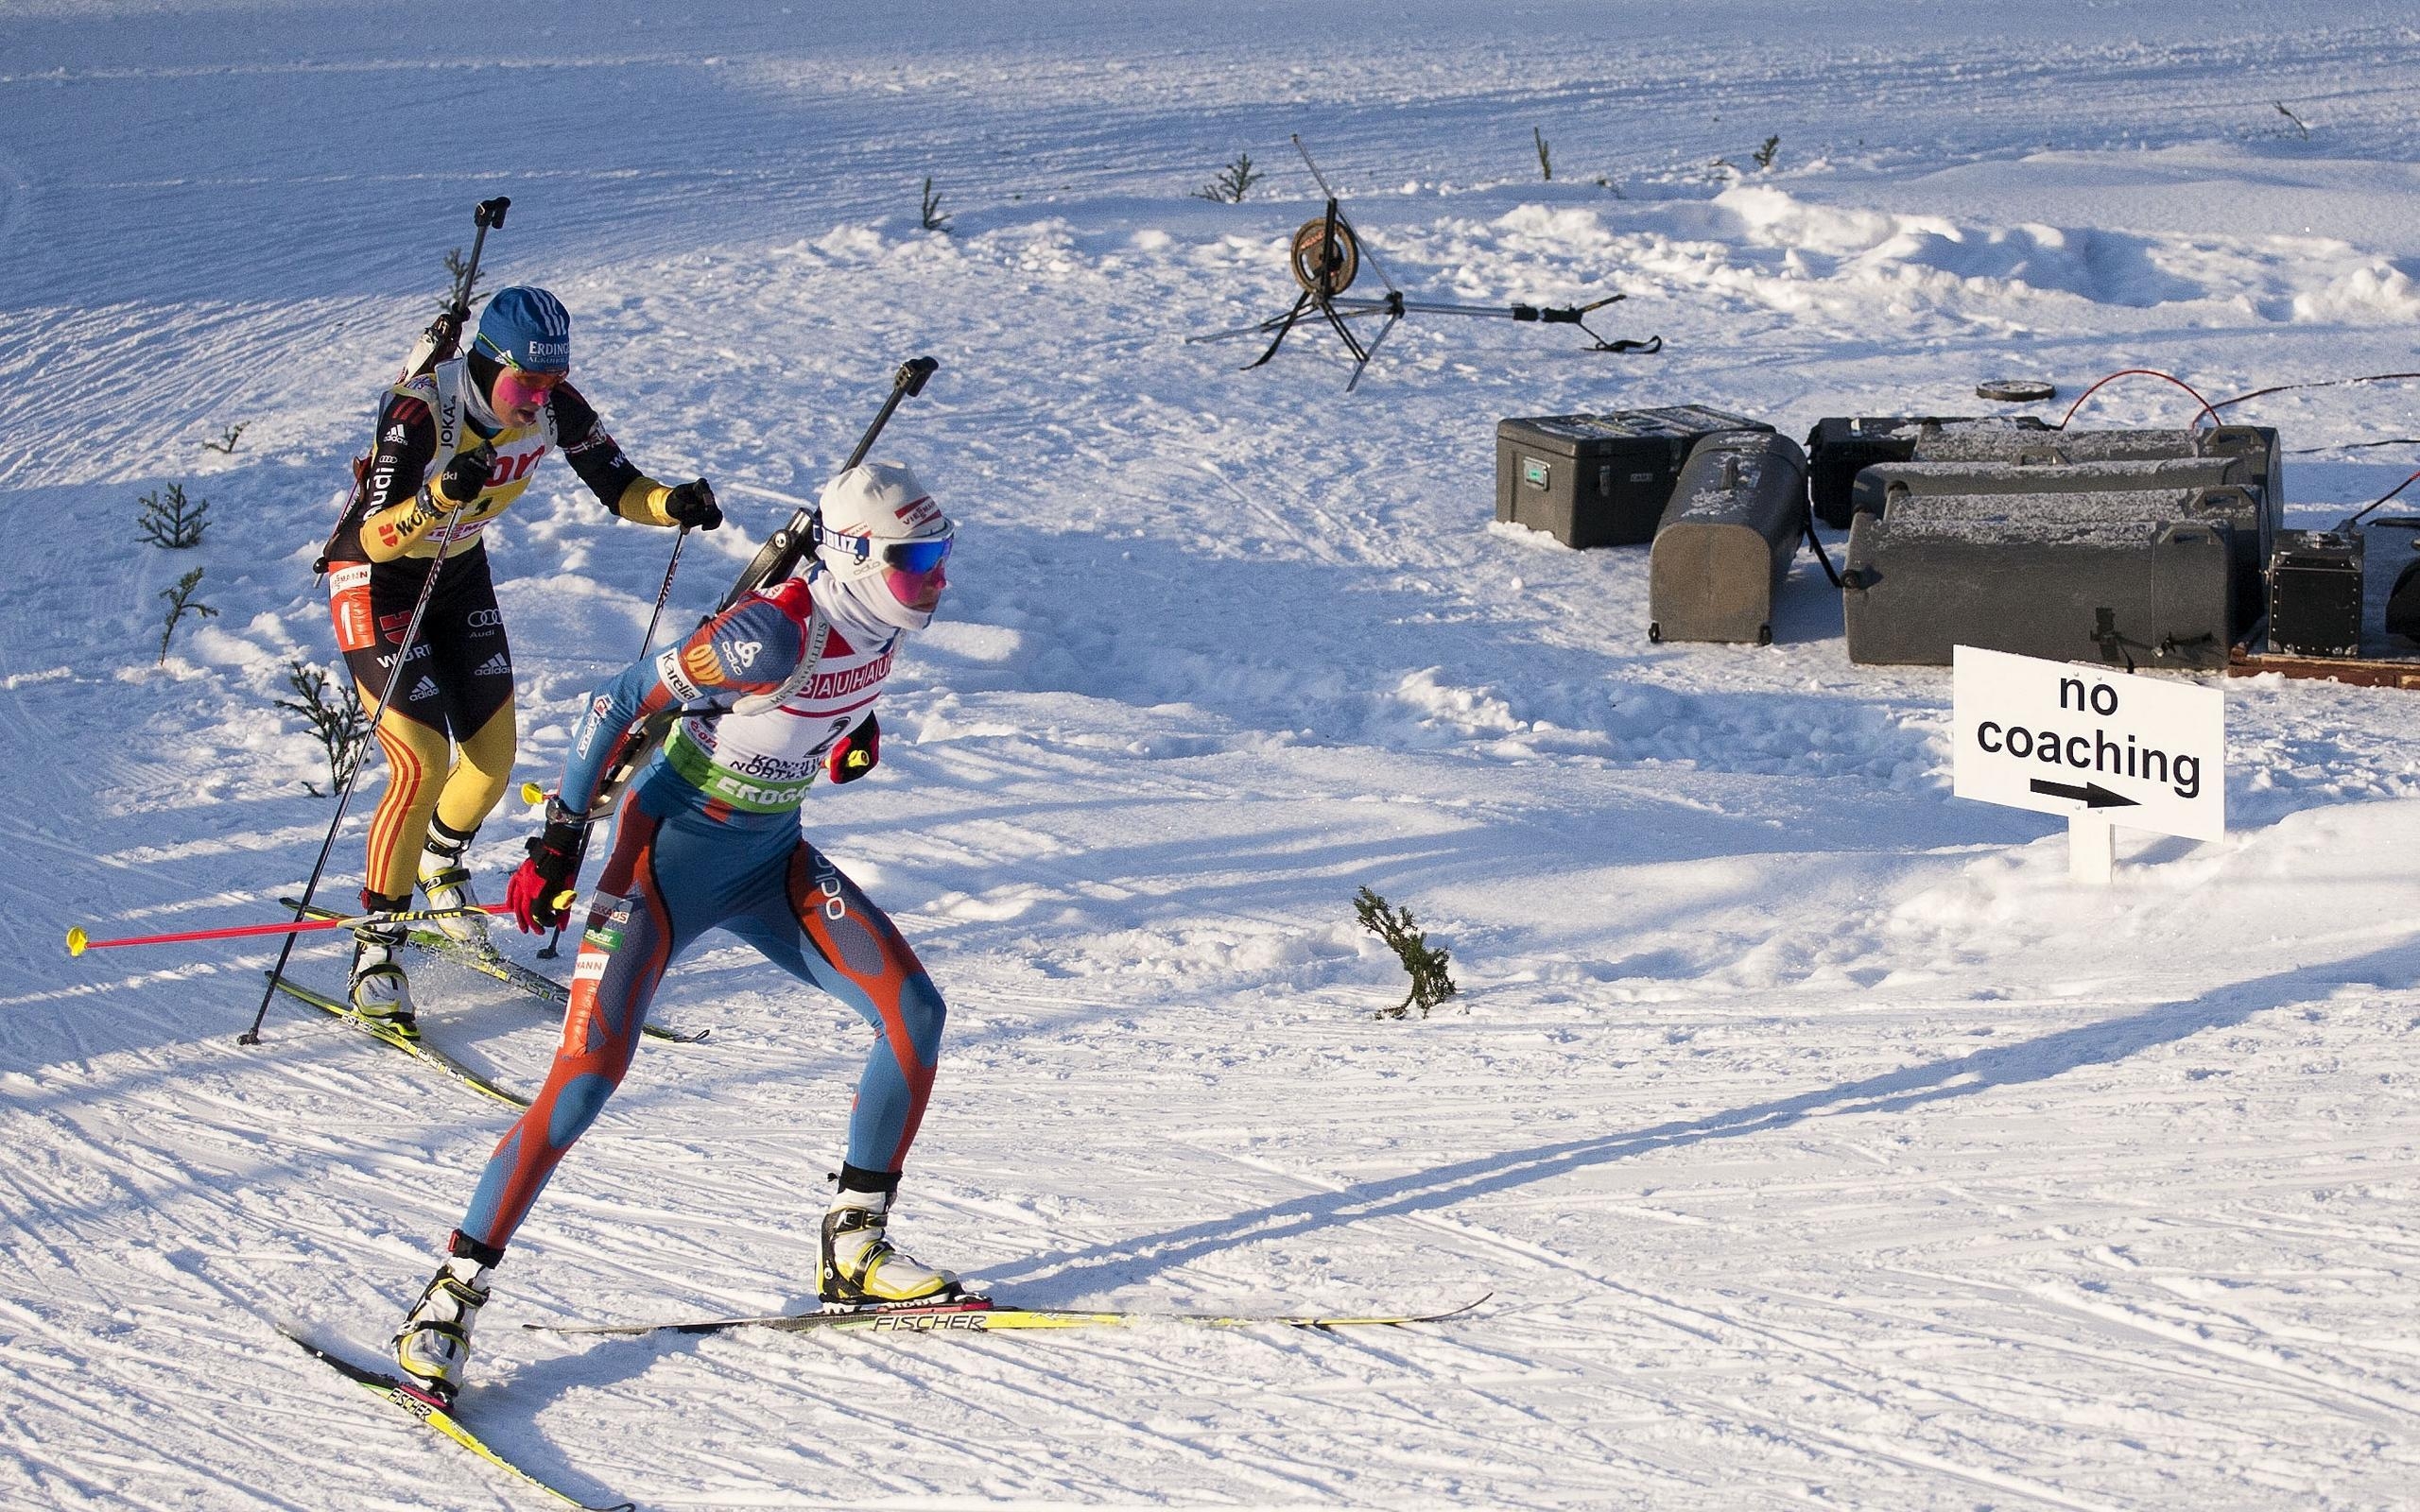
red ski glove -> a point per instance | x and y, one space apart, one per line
853 754
542 891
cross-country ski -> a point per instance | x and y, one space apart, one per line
414 1043
983 1315
1439 756
427 1409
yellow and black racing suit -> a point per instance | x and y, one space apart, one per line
454 688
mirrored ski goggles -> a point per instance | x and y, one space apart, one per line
916 557
518 387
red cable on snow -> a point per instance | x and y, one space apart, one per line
2141 372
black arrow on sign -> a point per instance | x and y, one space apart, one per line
2092 794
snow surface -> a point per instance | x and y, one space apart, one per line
1819 1142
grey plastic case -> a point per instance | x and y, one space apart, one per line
1727 538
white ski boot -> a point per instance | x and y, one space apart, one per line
435 1344
859 1266
380 990
446 882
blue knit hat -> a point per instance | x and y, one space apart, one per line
526 328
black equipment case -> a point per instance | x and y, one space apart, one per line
2315 594
1598 480
1726 539
2399 605
2126 579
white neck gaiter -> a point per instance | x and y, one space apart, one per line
862 609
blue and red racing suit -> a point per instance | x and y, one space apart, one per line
708 837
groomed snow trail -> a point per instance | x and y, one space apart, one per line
1818 1141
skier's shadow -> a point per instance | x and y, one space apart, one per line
1074 1272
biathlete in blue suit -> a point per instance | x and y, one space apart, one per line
766 696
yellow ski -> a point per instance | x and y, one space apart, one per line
975 1315
436 1414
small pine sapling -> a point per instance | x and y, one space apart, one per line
1233 181
1764 155
1424 962
180 600
932 215
1545 154
342 728
174 521
227 439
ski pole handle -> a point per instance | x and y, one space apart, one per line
536 797
79 941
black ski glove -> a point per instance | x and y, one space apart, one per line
466 476
693 505
541 892
853 754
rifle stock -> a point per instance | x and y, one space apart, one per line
778 556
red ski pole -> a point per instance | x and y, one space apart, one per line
79 941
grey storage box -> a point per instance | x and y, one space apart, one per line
2255 446
1598 480
2123 579
1839 448
1726 539
1877 486
2315 594
2225 484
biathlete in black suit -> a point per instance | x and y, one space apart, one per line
469 433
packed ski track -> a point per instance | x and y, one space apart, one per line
1819 1142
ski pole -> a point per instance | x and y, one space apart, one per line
395 679
554 941
664 591
79 941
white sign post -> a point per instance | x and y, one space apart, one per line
2099 746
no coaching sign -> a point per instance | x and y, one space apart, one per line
2060 737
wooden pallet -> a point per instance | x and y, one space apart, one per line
2354 671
